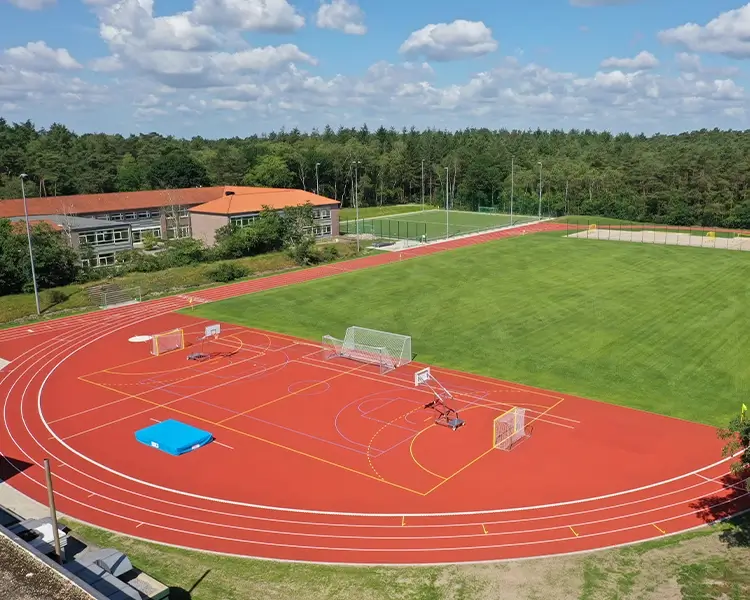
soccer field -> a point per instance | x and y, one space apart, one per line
660 328
433 224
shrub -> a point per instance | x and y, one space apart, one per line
57 297
226 272
329 253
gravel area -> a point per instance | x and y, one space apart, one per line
665 238
24 577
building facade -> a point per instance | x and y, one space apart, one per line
102 225
242 210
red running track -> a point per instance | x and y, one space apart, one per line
329 461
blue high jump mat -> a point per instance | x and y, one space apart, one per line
173 437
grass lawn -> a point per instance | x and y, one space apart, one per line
431 223
704 565
368 212
661 328
60 302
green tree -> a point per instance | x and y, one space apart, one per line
175 170
737 438
130 176
271 171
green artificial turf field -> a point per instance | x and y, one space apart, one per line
661 328
431 223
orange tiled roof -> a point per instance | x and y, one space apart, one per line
243 203
20 226
118 201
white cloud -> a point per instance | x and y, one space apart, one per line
106 64
33 4
248 15
644 60
39 56
342 15
727 34
450 41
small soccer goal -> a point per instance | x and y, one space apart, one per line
509 428
167 342
387 350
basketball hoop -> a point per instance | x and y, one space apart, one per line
211 331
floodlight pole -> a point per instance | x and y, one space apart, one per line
447 211
356 198
540 190
512 182
31 252
423 184
317 186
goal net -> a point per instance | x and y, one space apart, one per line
167 341
387 350
509 428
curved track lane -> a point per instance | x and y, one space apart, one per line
107 499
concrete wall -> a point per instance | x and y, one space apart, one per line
334 221
204 226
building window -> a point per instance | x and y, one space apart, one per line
85 262
144 214
105 260
121 235
115 217
322 230
104 236
139 233
131 216
244 221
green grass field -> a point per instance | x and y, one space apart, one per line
660 328
431 223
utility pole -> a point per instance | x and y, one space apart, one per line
317 186
31 252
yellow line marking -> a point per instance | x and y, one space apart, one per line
414 458
259 439
290 394
484 528
154 389
659 528
492 448
403 521
132 362
575 533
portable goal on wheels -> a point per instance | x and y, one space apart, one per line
387 350
167 342
509 428
211 332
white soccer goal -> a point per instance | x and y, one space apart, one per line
167 342
387 350
509 428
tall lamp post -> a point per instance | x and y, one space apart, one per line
540 190
423 184
356 197
447 211
512 185
31 251
317 186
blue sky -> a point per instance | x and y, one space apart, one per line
225 67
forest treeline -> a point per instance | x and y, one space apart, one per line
697 178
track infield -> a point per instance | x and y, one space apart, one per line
330 461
